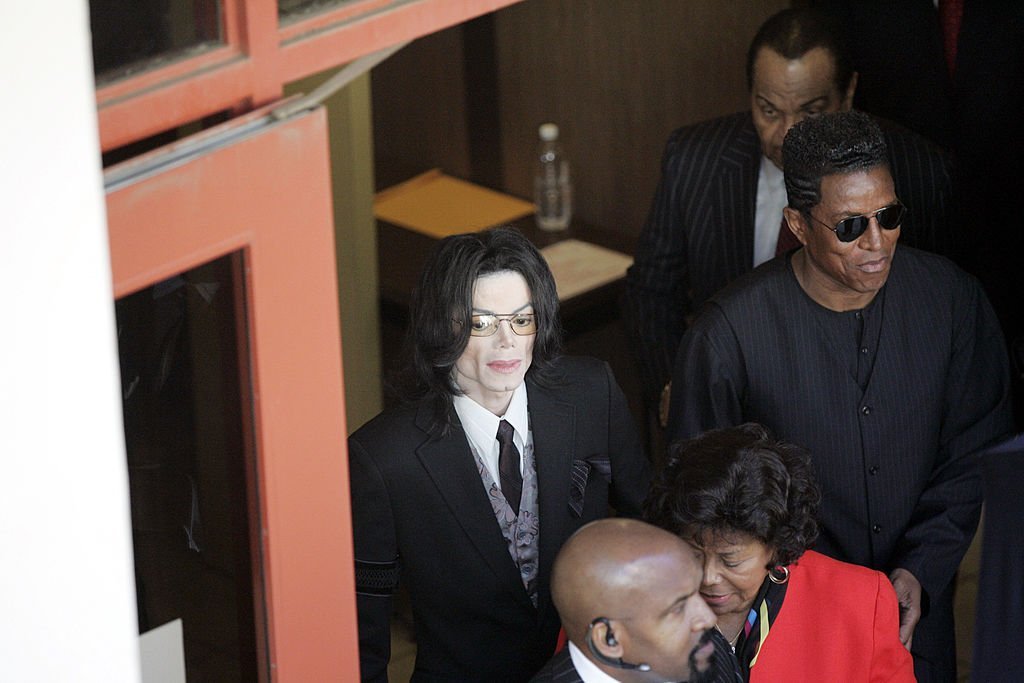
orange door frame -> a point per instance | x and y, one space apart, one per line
259 56
267 195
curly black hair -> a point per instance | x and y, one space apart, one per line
738 479
830 144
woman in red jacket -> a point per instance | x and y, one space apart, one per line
747 503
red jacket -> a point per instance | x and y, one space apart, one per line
839 622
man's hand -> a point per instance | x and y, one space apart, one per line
908 592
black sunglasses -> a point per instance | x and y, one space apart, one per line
847 230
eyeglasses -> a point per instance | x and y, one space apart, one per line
847 230
522 324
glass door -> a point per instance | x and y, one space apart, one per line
223 258
192 474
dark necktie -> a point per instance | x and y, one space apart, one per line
787 240
508 466
950 14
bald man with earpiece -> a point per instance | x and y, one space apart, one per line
627 593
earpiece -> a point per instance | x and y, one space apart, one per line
609 639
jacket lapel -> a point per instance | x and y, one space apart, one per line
736 194
451 466
553 423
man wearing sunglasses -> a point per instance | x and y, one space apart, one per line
717 210
465 491
886 364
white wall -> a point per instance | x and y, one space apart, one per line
67 600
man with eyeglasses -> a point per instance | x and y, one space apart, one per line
501 449
887 365
717 210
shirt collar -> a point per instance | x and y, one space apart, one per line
588 670
478 420
772 175
517 414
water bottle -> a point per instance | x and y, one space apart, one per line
552 186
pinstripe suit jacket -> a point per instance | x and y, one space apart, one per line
894 460
418 506
699 234
559 669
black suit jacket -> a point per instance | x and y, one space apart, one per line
699 234
895 458
559 669
976 114
419 507
903 74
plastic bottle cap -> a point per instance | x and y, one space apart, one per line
548 132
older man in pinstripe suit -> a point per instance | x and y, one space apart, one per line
888 365
718 207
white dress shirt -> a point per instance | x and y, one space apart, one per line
771 199
588 671
481 427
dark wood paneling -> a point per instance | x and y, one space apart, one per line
419 117
483 105
617 76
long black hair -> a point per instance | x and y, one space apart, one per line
445 294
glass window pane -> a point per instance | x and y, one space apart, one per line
131 36
293 10
191 470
